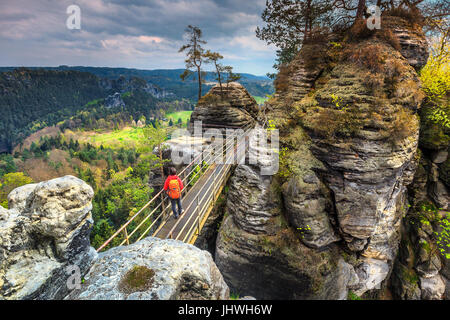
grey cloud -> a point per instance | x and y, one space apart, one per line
39 25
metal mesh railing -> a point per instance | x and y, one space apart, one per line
161 211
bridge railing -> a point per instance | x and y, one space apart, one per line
203 202
188 175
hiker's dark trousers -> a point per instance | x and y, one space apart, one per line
175 203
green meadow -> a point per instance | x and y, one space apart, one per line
183 115
260 100
128 136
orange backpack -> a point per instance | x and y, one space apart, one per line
174 189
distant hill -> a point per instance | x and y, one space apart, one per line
33 99
168 80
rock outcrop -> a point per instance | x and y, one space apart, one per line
347 115
259 255
114 101
45 254
45 231
230 106
153 269
412 40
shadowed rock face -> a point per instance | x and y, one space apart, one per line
260 256
233 106
351 136
179 272
412 40
46 230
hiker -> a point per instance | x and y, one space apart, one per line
173 186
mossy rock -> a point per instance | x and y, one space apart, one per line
138 279
432 135
444 172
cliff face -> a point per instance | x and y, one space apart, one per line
347 114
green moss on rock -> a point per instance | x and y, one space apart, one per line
138 279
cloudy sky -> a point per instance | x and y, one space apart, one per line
143 34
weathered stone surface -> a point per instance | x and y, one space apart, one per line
440 194
439 156
371 272
260 256
412 40
236 108
432 288
308 207
405 283
247 200
17 199
181 272
114 101
279 266
346 181
46 231
57 206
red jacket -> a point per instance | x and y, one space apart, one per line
166 184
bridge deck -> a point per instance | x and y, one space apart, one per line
189 203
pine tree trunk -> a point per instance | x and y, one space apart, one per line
361 8
199 83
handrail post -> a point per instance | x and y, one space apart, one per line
163 207
125 232
198 215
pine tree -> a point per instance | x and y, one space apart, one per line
194 55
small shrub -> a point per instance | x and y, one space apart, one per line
331 123
412 15
281 83
370 56
403 124
210 99
353 296
359 30
389 37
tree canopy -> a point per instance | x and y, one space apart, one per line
290 23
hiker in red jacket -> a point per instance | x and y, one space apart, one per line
173 187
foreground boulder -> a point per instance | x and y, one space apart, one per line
153 269
45 231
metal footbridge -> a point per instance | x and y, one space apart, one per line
204 179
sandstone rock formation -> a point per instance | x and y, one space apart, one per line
259 255
114 101
422 269
233 106
347 115
45 230
412 40
175 271
45 252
